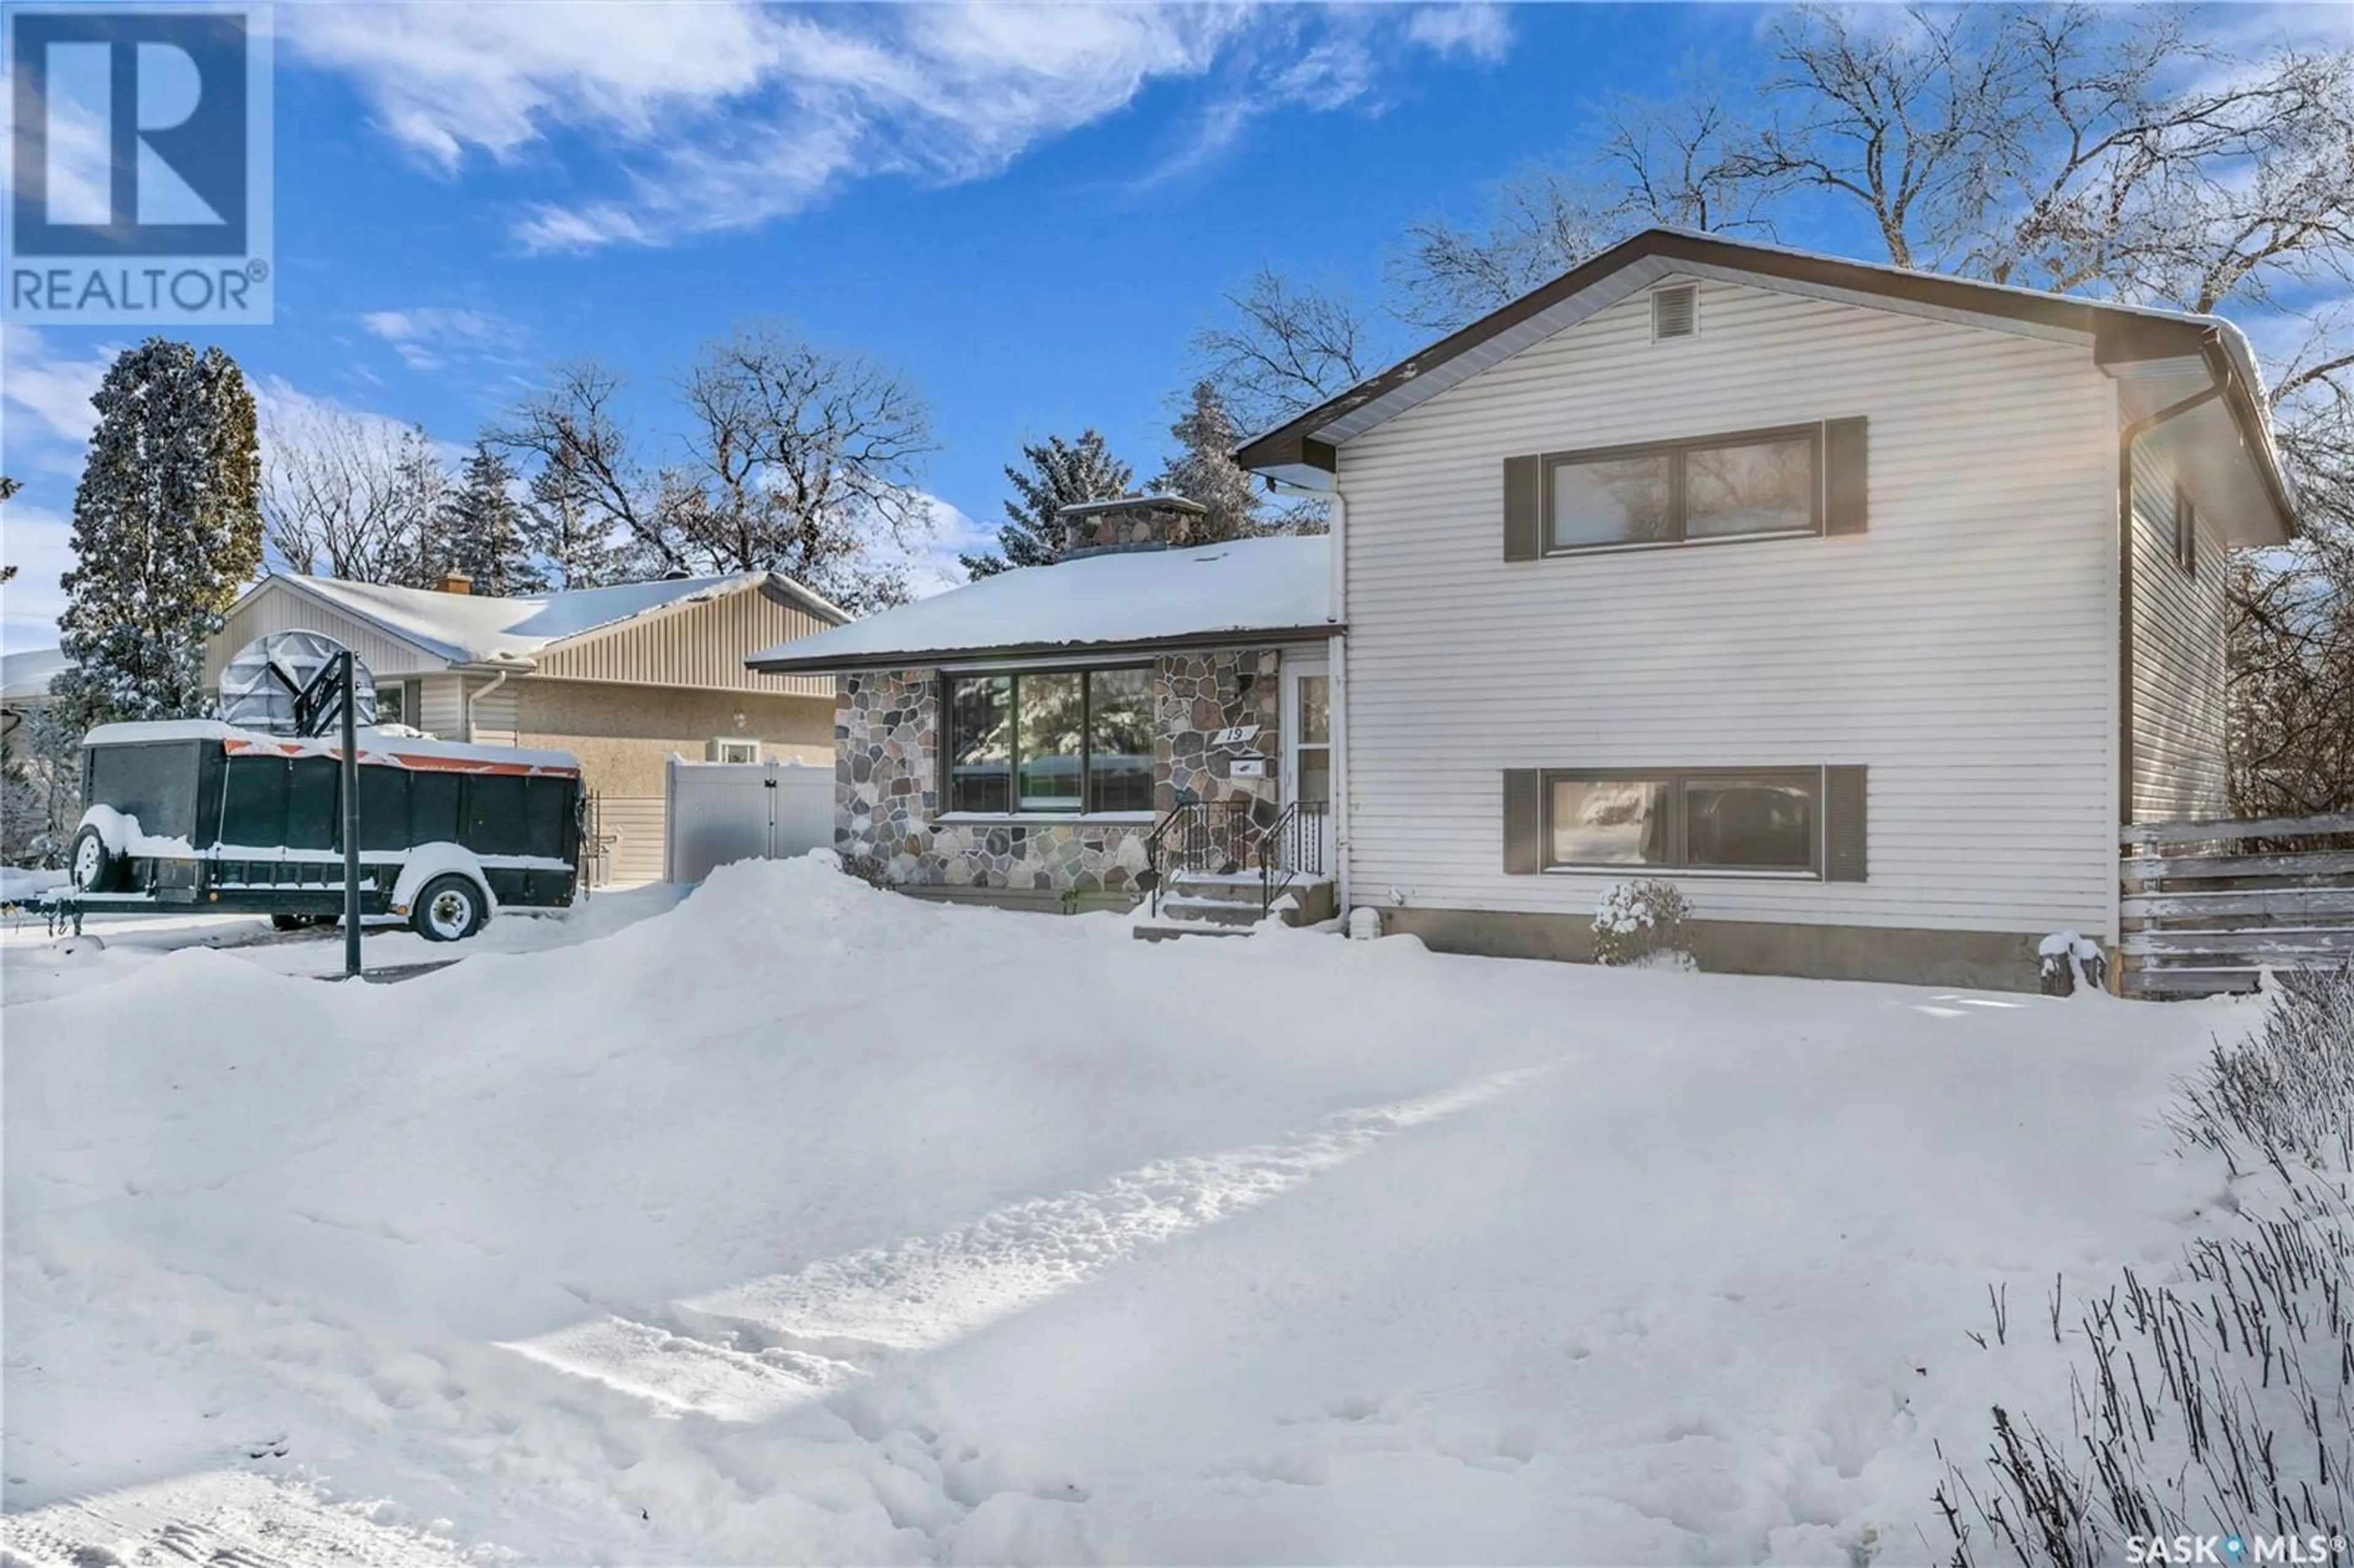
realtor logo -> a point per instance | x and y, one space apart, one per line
139 188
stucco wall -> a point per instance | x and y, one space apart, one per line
623 734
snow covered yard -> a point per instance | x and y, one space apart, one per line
801 1221
37 966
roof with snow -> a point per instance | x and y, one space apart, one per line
26 677
472 628
2157 355
1273 590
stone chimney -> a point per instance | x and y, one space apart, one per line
1130 523
455 581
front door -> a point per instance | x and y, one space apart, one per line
1307 845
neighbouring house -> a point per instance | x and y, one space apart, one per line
24 690
1866 606
1018 740
621 677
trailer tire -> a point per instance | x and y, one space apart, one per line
450 909
93 867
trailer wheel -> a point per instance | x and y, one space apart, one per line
450 909
94 868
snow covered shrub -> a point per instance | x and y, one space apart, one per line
1639 922
2287 1091
869 868
2223 1399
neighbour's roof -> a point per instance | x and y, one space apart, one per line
1306 446
1272 589
26 677
478 629
1134 503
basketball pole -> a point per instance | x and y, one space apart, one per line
348 685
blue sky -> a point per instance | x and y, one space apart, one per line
1028 210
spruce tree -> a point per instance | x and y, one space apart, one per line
8 487
1060 473
483 527
1203 469
567 536
166 532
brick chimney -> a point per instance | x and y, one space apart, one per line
456 582
1130 523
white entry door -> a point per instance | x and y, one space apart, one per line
1308 765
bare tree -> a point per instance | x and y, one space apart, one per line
351 497
1288 347
802 461
593 504
1540 223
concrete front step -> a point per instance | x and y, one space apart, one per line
1183 907
1170 930
1211 904
1235 886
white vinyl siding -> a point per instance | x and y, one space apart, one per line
439 710
276 607
1962 647
442 709
2179 628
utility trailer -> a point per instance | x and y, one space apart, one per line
198 815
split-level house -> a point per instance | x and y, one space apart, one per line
622 677
1863 605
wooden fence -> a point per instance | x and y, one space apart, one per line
2208 907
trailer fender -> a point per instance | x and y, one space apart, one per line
114 829
427 861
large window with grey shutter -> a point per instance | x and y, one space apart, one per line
1788 482
1794 822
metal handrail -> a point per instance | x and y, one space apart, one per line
1194 832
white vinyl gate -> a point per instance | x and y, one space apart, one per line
720 811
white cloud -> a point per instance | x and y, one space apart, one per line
40 544
53 386
725 115
929 555
428 336
1473 28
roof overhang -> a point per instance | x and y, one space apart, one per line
1305 450
1037 652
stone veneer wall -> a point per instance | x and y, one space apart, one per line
887 781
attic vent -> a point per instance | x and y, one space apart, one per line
1675 312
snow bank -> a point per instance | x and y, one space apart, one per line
21 882
803 1222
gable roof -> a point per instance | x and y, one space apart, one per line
478 629
1275 589
1306 448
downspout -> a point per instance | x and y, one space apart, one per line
1336 674
504 670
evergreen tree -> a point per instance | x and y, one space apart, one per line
1061 474
483 527
166 531
8 487
1203 469
569 537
